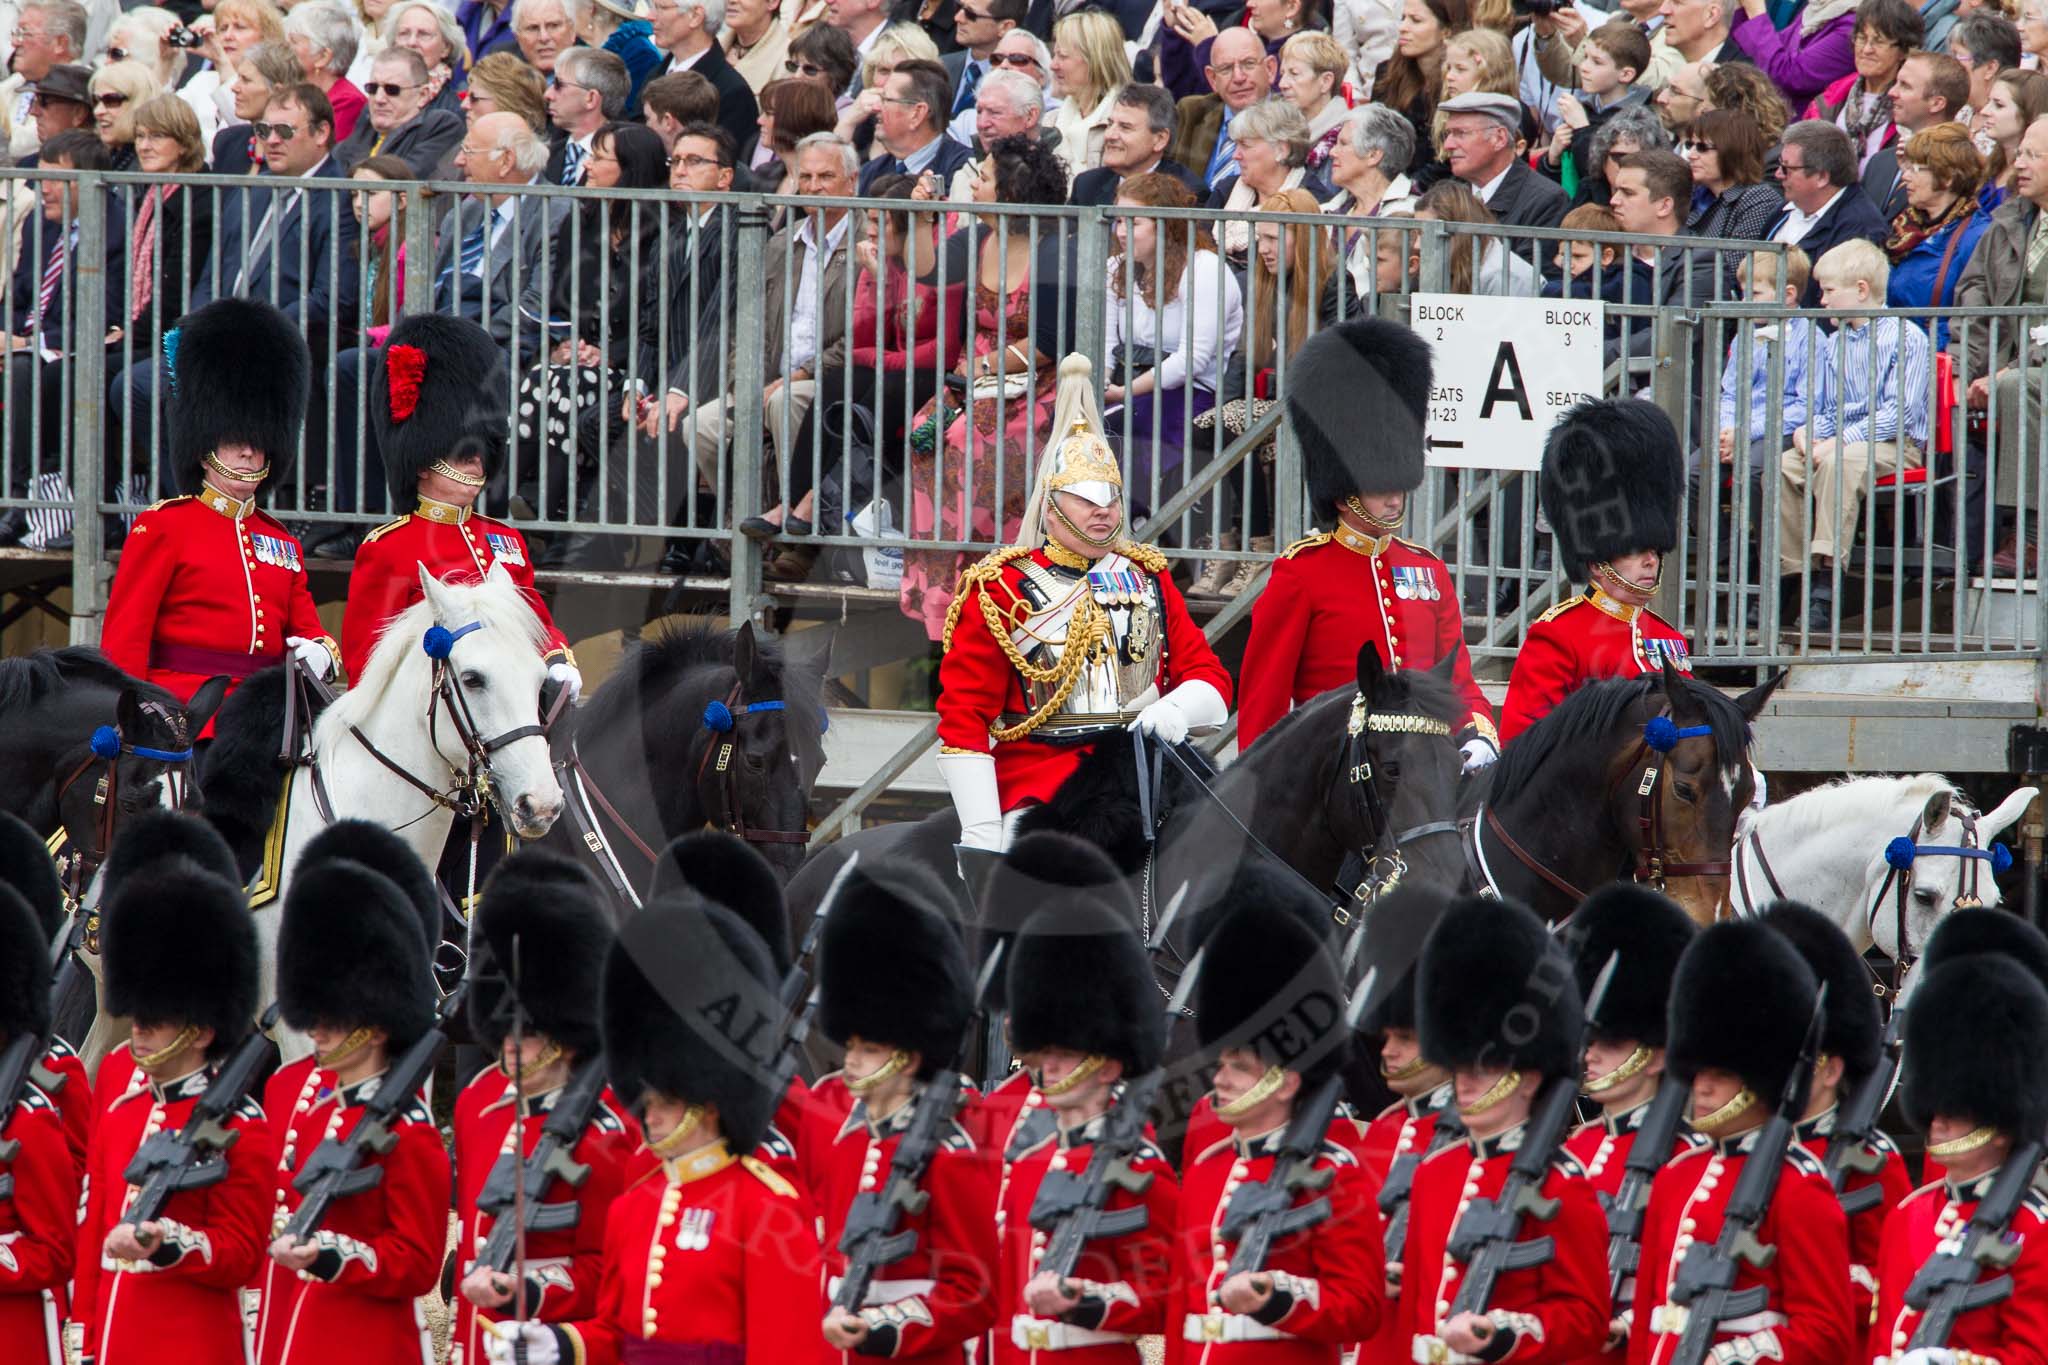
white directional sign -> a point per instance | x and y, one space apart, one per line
1505 370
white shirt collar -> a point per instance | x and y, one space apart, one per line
1491 187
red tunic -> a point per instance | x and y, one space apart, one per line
379 1250
1329 1281
455 546
1557 1311
740 1267
1808 1320
184 1305
940 1297
979 686
38 1228
1326 597
2011 1332
1602 1148
1403 1128
1866 1228
207 586
72 1093
563 1265
1584 640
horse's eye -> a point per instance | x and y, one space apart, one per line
473 680
1927 895
1392 770
1686 791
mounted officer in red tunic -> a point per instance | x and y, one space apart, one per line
1610 486
208 583
1357 402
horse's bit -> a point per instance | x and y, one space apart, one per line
1364 877
106 746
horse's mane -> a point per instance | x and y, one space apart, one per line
651 665
1595 710
1406 690
31 678
1825 809
498 603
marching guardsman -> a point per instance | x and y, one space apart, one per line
1084 1019
1357 402
563 929
209 583
714 1256
1852 1048
442 440
1740 1005
353 973
896 992
1610 486
1270 1007
1498 1006
1974 1078
1065 637
25 868
180 961
39 1208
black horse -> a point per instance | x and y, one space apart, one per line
1567 808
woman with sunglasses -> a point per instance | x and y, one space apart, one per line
117 91
826 55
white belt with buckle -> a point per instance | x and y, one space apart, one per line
1431 1350
1228 1327
884 1291
1049 1334
1670 1320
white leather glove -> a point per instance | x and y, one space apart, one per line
538 1339
313 654
971 778
1479 753
1194 705
1924 1355
566 673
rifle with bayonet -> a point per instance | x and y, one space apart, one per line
1651 1149
1705 1284
1850 1146
549 1161
1400 1182
196 1155
18 1063
798 995
1953 1281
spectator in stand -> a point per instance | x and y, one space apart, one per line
589 91
791 110
1698 31
1986 44
1021 51
912 128
486 28
1011 105
1860 104
503 83
118 90
1187 34
172 229
756 42
1730 196
140 35
433 33
545 29
323 38
668 104
1631 130
1757 273
1936 233
1585 270
1312 69
1410 80
380 226
1479 144
1741 85
1366 30
614 26
1141 129
687 30
1174 313
60 103
260 70
2033 27
862 22
1480 61
2017 99
826 55
1614 56
399 123
890 48
1866 417
1684 97
978 25
1492 268
1272 147
1931 90
1089 68
1808 55
1824 204
1240 75
47 33
1652 193
1375 139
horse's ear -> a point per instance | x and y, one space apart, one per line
204 703
437 600
1371 671
746 656
1673 688
1936 813
1445 669
1995 822
498 573
128 715
1752 701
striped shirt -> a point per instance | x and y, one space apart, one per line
1865 377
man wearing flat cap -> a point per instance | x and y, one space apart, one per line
1479 143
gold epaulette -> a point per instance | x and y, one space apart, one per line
167 502
1305 543
767 1175
1145 557
987 569
387 526
1560 609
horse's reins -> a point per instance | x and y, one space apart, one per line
720 717
1364 877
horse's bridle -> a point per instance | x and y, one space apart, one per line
106 746
1366 874
720 717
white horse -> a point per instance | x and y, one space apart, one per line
1827 848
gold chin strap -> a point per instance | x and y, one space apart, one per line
345 1049
551 1054
894 1066
212 461
1265 1089
1076 1078
1052 505
1606 571
1628 1070
1727 1113
672 1144
169 1050
1968 1142
1495 1093
454 475
1405 1073
1372 522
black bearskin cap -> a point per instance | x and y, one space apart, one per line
27 868
557 912
239 374
1079 979
726 869
373 845
1650 932
687 985
1854 1027
1487 960
460 408
350 953
1981 930
1395 929
1269 984
1610 484
891 968
24 968
1740 1002
1976 1047
179 945
149 835
1358 403
1039 870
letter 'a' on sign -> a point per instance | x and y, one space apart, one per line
1506 370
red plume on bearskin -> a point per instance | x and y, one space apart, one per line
407 366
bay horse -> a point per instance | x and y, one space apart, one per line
1626 778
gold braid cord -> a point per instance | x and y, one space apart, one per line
1144 556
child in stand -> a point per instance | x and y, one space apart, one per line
1621 277
1614 57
